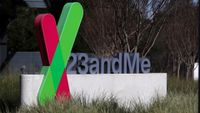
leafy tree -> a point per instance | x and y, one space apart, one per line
20 32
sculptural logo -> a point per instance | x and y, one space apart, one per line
56 43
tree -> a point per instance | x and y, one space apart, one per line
182 36
112 26
20 31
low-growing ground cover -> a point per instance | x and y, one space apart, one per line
182 97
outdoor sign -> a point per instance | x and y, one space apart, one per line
83 63
55 47
56 43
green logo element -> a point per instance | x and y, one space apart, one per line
67 27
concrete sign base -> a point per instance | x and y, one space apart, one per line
30 85
125 88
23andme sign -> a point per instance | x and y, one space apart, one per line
56 43
82 63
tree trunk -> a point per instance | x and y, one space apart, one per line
188 73
178 69
173 68
136 49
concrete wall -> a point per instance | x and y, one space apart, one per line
25 62
125 87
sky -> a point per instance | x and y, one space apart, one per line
195 1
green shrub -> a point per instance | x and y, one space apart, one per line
9 92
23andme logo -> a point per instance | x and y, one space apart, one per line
55 47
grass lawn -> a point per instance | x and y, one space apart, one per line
182 97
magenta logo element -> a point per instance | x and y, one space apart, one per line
55 44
